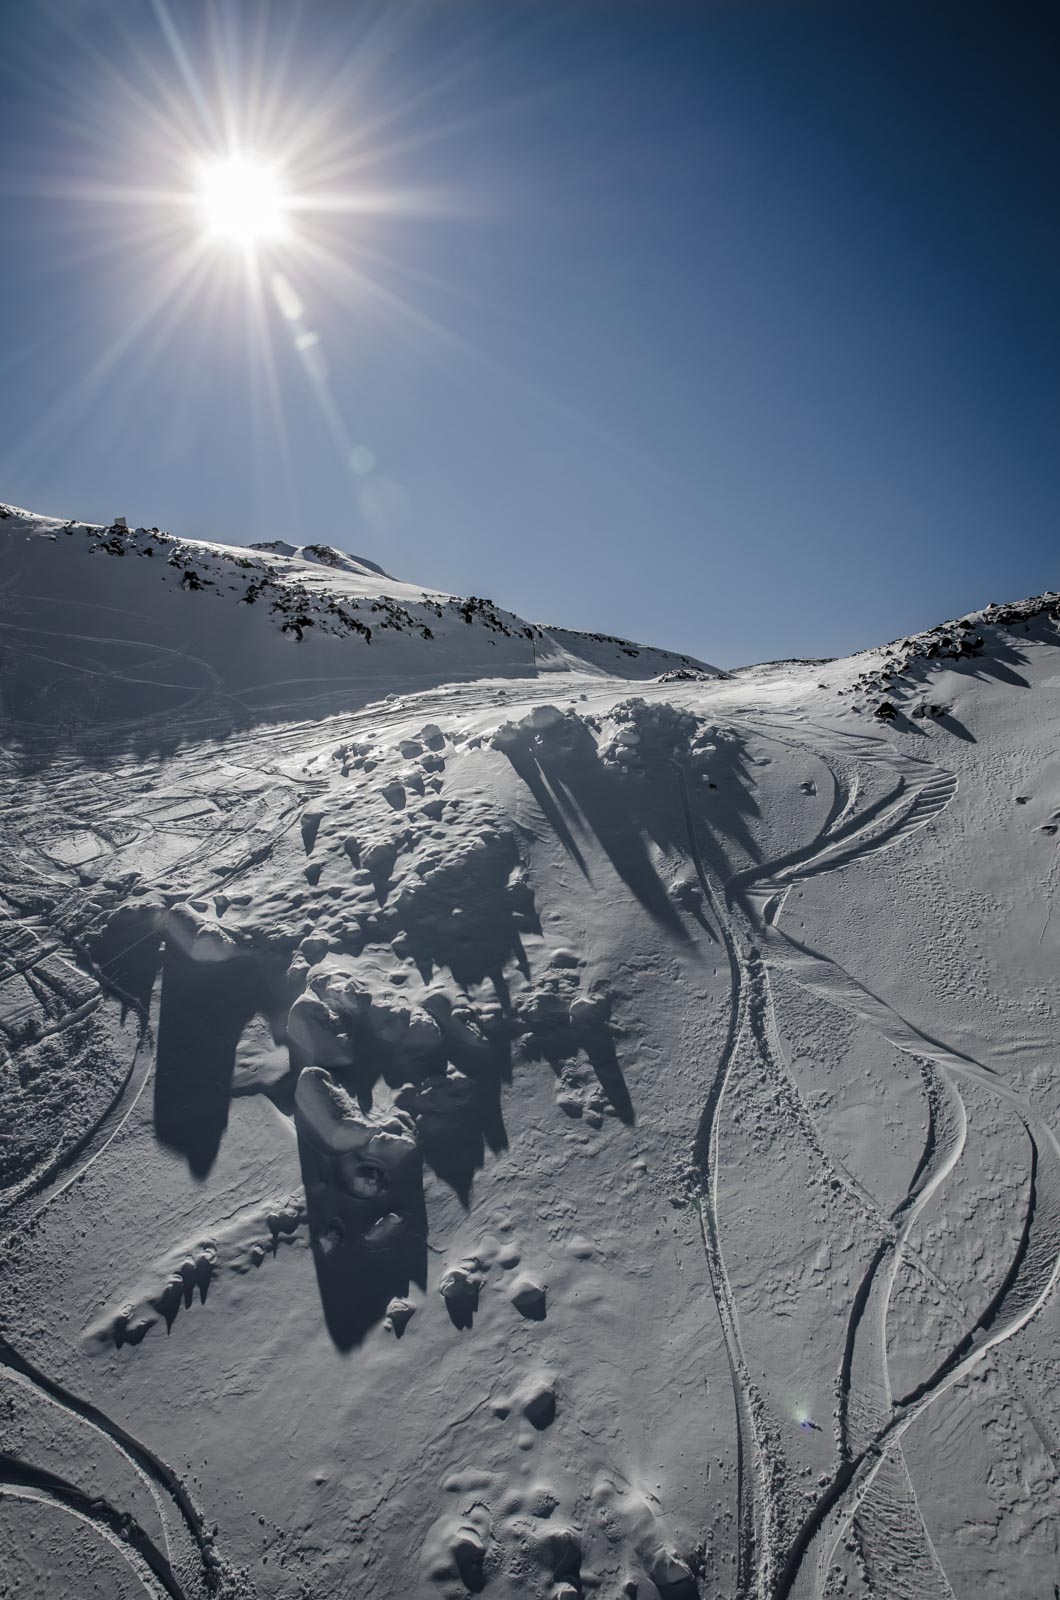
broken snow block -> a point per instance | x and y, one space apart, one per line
528 1296
537 1401
367 1149
400 1313
460 1287
200 936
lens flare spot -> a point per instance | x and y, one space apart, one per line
386 506
287 298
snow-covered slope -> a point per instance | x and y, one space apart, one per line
121 634
472 1123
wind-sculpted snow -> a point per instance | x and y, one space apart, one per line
520 1137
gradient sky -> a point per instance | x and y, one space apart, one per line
730 327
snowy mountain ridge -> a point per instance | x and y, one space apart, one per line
312 594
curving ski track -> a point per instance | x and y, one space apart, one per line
871 1422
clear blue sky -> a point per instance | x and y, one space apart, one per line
733 327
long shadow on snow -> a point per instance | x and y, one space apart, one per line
455 1151
942 719
579 784
204 1009
561 1045
1000 660
127 950
574 789
454 1139
728 802
358 1280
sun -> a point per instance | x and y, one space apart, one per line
242 201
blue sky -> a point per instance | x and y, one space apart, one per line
732 327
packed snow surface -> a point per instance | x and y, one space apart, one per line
488 1108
